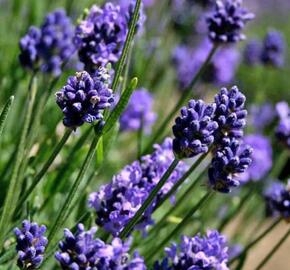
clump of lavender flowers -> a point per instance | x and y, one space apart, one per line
30 244
117 202
82 251
220 71
261 158
193 129
84 98
283 129
277 197
47 48
139 112
208 252
226 23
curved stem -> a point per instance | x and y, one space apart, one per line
273 251
45 167
149 200
180 226
4 113
184 97
255 241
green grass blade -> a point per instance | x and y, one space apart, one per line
5 112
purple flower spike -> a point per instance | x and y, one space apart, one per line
230 113
196 253
273 52
277 197
193 129
228 161
283 129
226 23
82 251
30 244
138 112
117 202
84 98
100 36
49 46
252 53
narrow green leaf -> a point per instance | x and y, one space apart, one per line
5 112
13 192
120 107
100 152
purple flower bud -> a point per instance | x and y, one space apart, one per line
283 129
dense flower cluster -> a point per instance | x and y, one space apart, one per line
100 36
117 202
269 52
283 129
227 21
30 244
277 197
138 112
261 158
208 252
84 98
193 129
220 71
230 113
48 47
82 251
229 160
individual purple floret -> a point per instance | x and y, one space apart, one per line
262 116
48 47
252 53
273 52
139 112
82 251
261 158
83 99
196 253
193 129
226 23
277 197
283 129
220 71
100 36
117 202
230 113
30 244
228 162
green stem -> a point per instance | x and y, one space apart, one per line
149 200
45 167
255 241
279 164
4 113
126 48
181 181
184 97
180 226
14 185
72 193
273 251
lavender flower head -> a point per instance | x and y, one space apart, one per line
208 252
193 129
84 98
220 71
226 23
228 162
273 52
252 52
261 158
82 251
138 112
261 116
277 197
30 244
49 46
100 36
117 202
230 113
283 129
